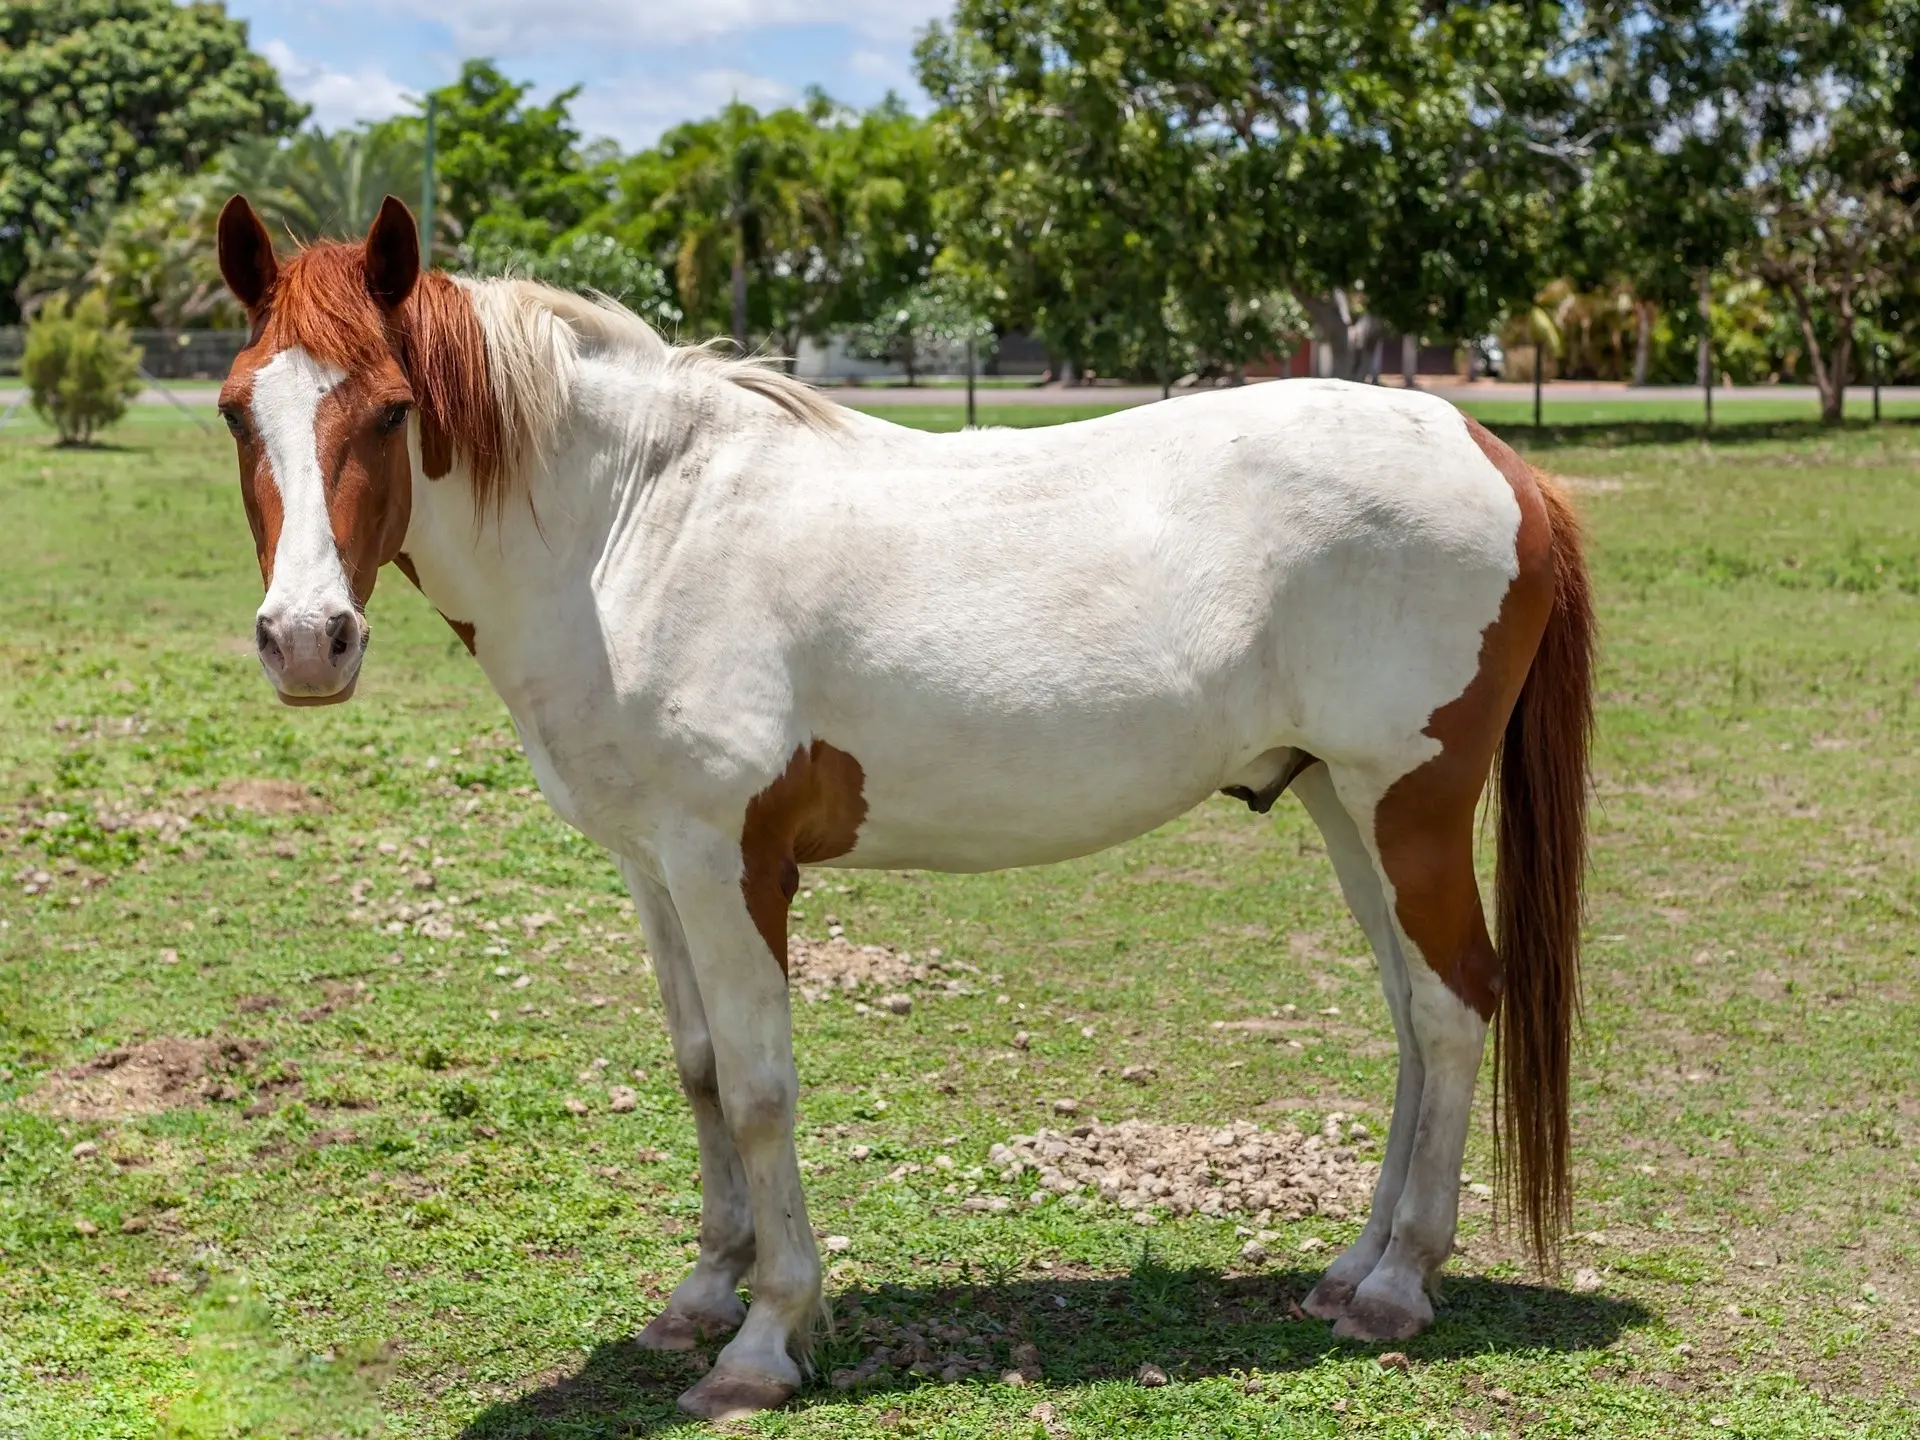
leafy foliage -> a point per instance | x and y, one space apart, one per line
80 368
588 263
97 94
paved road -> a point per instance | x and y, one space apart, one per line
1575 391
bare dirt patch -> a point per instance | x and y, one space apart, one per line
1199 1169
270 797
146 1079
819 969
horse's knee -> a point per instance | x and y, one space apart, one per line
759 1106
699 1076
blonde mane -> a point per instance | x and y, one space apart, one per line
536 335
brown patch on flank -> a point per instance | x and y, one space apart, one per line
812 812
145 1079
270 797
1424 824
462 628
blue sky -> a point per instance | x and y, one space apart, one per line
644 65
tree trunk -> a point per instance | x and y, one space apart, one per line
1410 361
740 287
1829 371
1642 341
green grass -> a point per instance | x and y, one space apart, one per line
385 1201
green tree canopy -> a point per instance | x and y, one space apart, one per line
510 172
95 94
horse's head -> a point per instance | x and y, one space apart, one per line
318 404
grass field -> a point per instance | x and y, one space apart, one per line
363 1196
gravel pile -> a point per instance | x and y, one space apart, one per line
821 969
1187 1169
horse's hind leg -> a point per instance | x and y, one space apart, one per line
1421 828
707 1303
1360 883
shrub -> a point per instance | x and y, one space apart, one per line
80 370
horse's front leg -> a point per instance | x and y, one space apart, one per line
707 1303
743 988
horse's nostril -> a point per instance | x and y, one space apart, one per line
340 634
263 638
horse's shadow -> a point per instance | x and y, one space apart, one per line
1190 1323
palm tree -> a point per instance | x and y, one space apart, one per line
326 185
742 191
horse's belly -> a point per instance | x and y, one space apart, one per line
972 820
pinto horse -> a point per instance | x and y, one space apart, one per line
741 629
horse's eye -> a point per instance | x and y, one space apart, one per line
236 422
392 418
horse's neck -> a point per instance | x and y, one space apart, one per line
630 464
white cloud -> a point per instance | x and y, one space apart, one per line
635 110
516 26
337 98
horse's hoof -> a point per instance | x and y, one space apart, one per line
732 1395
1383 1317
1329 1299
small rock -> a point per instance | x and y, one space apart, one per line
84 1150
1395 1360
576 1106
1013 1378
844 1379
1022 1040
897 1004
522 983
85 1226
1311 1244
133 1224
860 1152
1136 1073
1586 1281
1066 1107
622 1098
1358 1132
1150 1375
1500 1395
169 957
1254 1253
1482 1189
838 1244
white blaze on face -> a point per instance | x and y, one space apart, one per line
309 583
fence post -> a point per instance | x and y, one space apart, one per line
1536 384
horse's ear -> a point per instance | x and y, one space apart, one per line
246 253
393 255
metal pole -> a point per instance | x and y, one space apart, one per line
1706 345
969 382
1536 384
427 187
1878 357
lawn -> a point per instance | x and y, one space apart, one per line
311 1025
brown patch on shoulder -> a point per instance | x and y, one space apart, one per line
1424 824
462 628
812 812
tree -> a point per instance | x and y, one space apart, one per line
97 94
80 368
1834 188
152 260
740 189
934 318
1113 157
510 172
590 264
